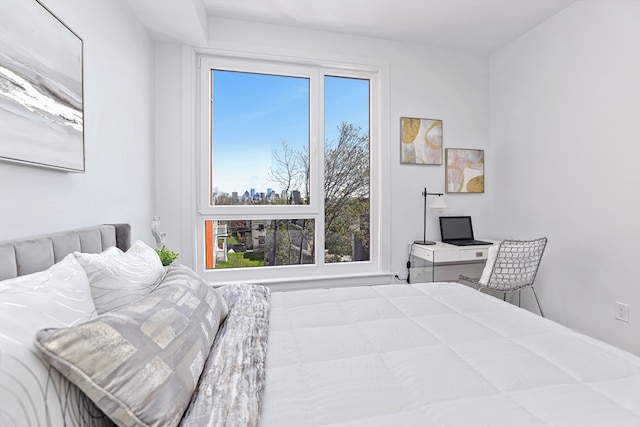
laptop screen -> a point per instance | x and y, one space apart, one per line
456 228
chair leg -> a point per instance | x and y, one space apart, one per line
519 294
504 296
537 302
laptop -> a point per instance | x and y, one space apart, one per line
457 230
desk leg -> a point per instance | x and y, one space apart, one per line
421 270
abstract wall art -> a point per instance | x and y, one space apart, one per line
464 170
420 141
41 94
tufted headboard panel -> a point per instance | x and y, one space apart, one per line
32 254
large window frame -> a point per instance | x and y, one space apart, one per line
315 72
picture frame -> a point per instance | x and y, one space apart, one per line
420 141
464 170
41 90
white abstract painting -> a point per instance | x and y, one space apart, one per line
41 105
464 170
420 141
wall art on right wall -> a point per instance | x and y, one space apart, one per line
464 170
420 141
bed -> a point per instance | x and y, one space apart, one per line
426 354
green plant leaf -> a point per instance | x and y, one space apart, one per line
166 255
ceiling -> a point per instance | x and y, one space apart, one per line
479 26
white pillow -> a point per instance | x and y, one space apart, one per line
32 392
119 278
488 267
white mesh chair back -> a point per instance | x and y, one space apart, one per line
516 264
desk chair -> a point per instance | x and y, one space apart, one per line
512 267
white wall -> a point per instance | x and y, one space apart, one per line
118 112
565 131
562 161
422 82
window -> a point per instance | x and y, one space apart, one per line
260 138
285 158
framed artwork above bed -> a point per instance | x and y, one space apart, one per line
41 92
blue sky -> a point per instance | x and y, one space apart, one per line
254 113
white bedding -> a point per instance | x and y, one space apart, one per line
436 354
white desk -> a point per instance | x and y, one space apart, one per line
444 262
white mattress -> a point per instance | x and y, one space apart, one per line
436 354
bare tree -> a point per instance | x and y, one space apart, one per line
346 171
346 185
287 170
346 188
303 163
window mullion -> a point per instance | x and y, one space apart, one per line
317 137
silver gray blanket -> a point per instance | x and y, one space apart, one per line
230 389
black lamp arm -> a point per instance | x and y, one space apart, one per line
425 194
424 215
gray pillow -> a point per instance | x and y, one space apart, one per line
140 364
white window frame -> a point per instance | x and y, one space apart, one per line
315 71
208 63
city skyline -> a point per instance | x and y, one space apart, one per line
253 195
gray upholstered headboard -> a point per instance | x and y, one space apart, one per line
31 254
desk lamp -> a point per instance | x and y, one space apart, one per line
439 204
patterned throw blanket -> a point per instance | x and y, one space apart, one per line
230 389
